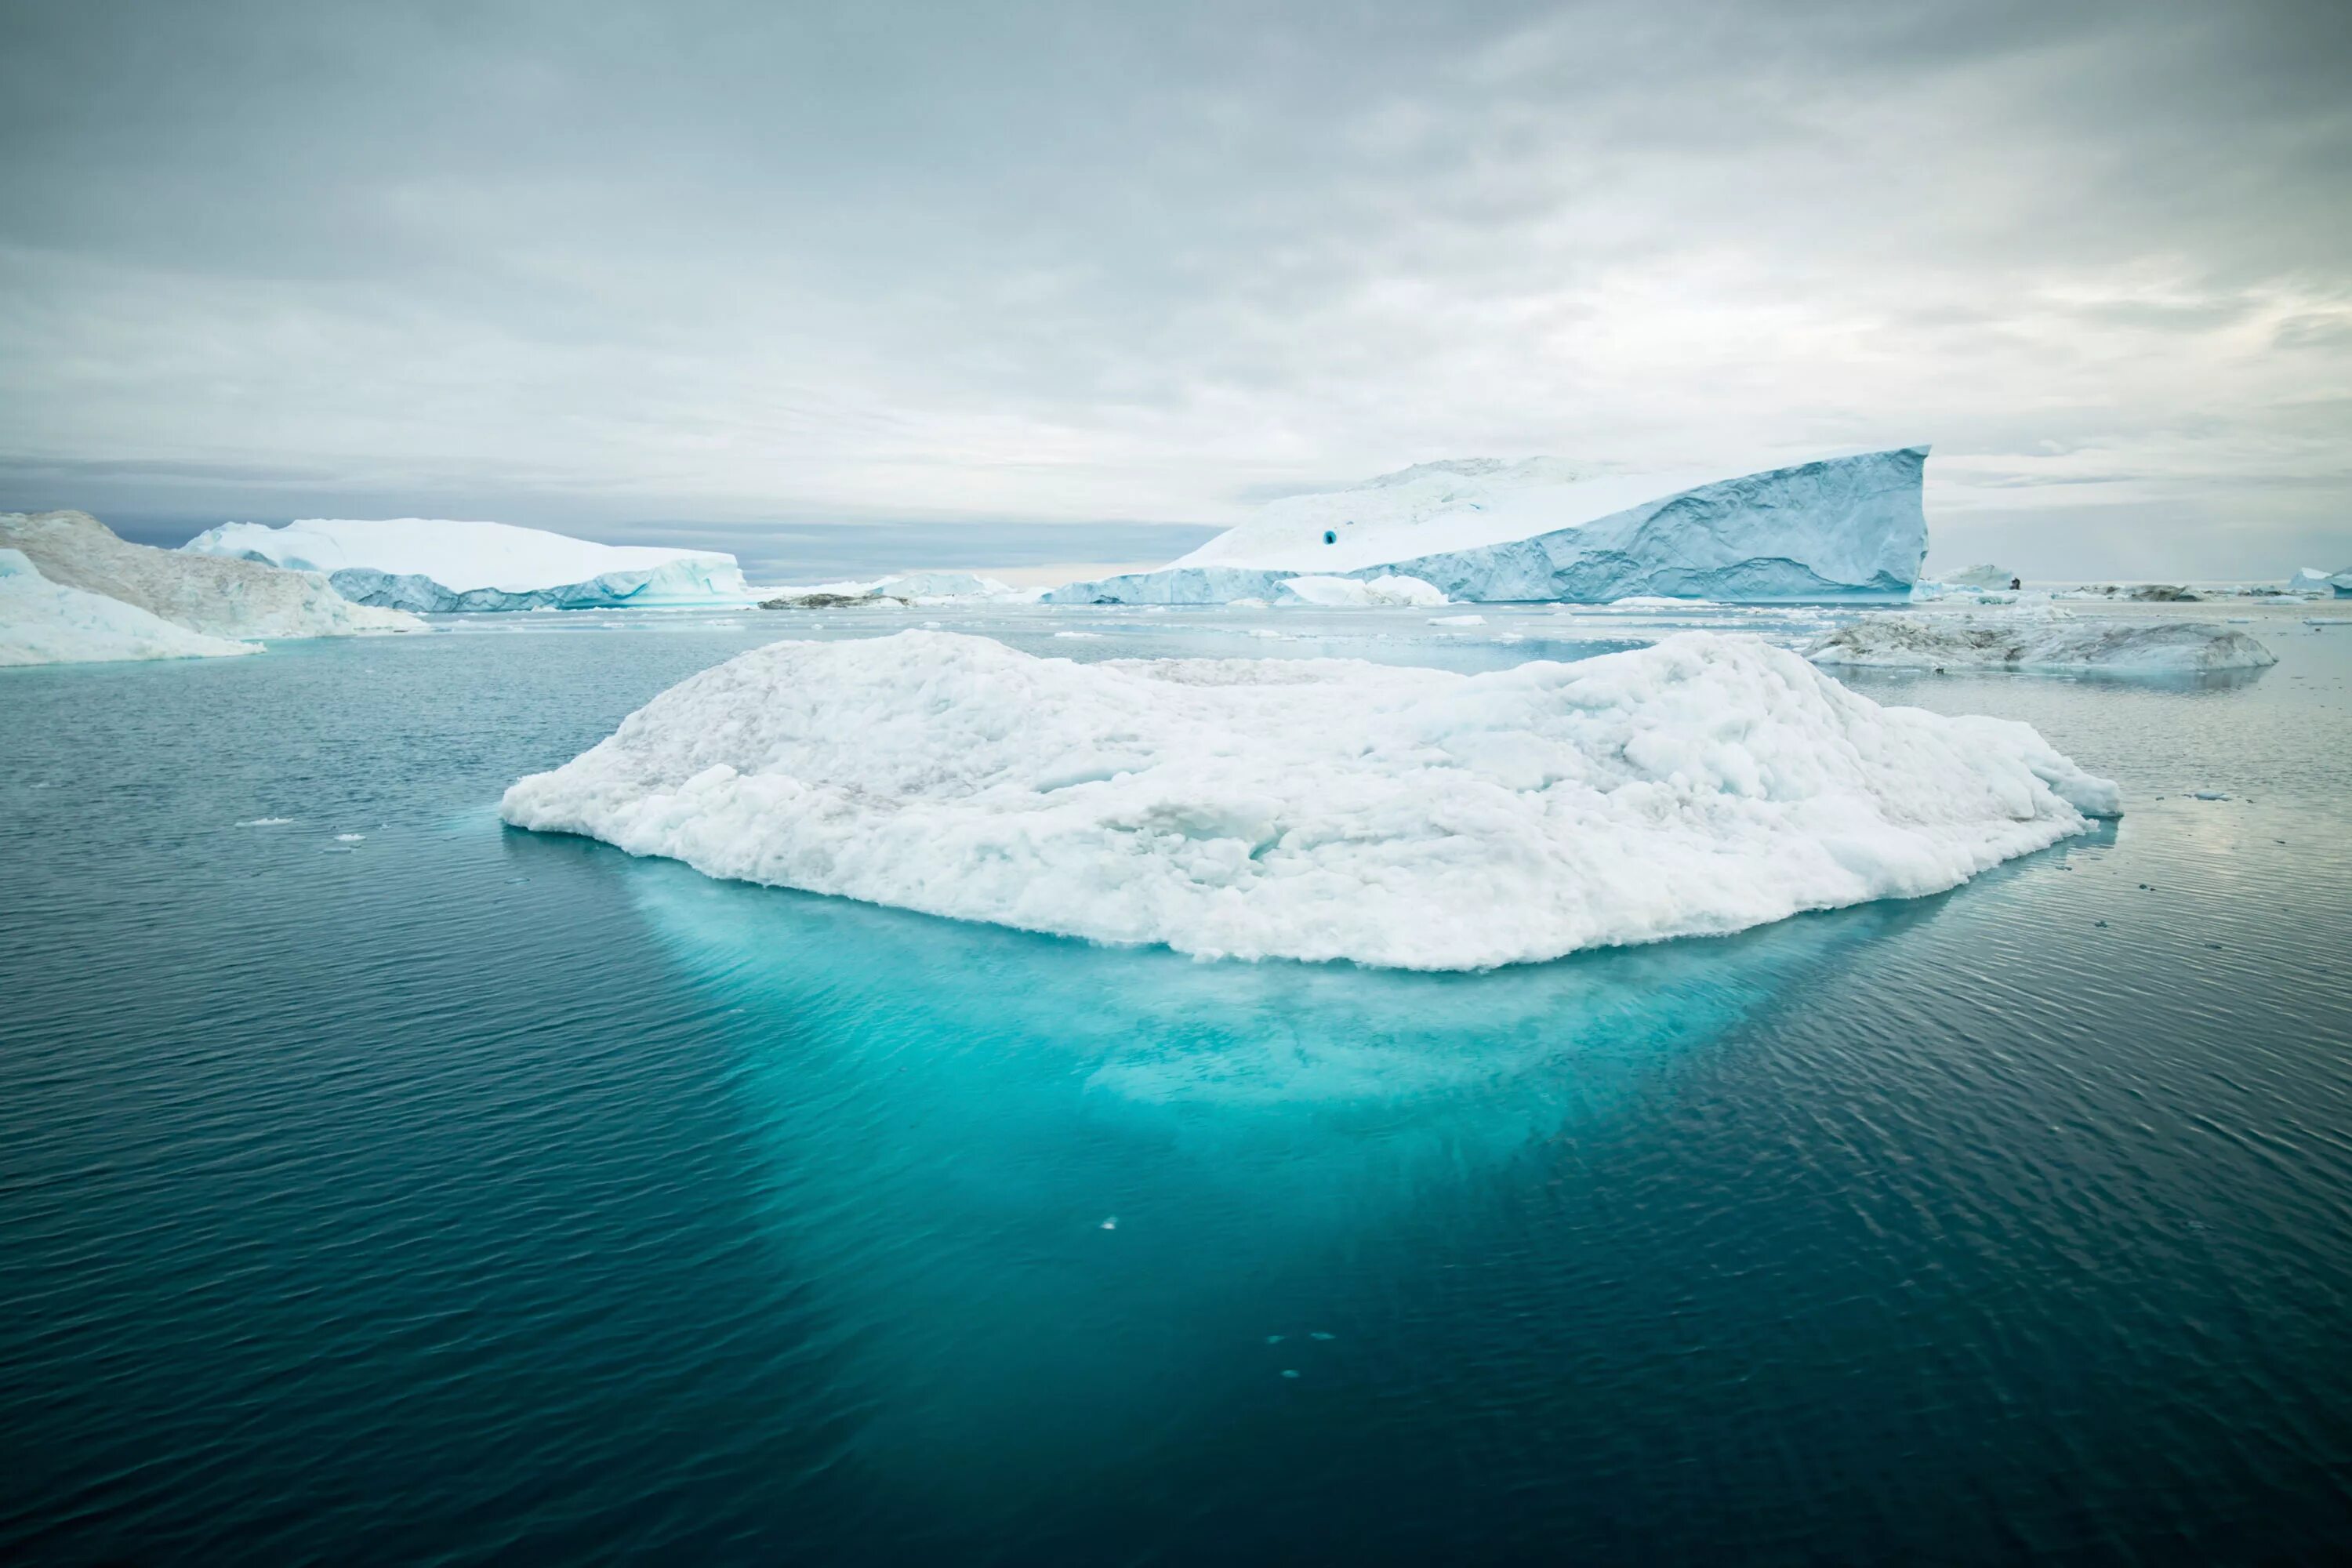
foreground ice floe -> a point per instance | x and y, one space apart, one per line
222 598
43 622
438 565
2043 640
1486 530
1319 809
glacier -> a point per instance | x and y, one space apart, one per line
438 565
1482 529
1323 809
42 622
2038 641
220 598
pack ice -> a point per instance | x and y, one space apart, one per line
43 622
217 597
1317 809
436 565
1544 529
2040 640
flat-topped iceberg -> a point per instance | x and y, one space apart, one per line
42 622
220 598
2311 579
2043 640
1486 530
1319 809
436 565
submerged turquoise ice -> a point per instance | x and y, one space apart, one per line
456 1192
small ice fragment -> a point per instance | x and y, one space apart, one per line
1274 1339
1318 1334
265 822
1089 636
350 838
1457 620
2206 795
1111 1223
1289 1372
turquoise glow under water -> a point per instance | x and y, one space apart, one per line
456 1193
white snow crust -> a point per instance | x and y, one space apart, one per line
220 598
439 563
1315 809
43 622
2038 641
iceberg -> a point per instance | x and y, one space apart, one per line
2311 579
1480 530
1355 592
1322 809
436 566
2046 640
42 622
220 598
925 590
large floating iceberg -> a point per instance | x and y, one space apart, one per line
1486 530
1320 809
2044 640
2311 579
220 598
434 565
43 622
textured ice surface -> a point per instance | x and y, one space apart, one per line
2044 640
1319 809
1480 530
220 598
438 565
1357 592
43 622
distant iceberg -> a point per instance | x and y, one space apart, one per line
220 598
2311 579
1484 530
2046 640
434 565
1319 809
42 622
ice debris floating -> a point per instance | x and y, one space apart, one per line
1481 530
436 565
2045 640
217 597
43 622
1315 809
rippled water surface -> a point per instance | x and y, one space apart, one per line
451 1193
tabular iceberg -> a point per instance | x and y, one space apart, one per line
1486 531
2040 641
220 598
1319 809
436 565
43 622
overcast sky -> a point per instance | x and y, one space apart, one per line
683 270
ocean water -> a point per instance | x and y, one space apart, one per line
381 1184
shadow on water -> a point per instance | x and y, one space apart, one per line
1057 1196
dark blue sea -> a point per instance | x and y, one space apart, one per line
384 1186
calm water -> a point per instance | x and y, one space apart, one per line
454 1194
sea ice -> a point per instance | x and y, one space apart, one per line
437 564
1480 530
1315 809
43 622
217 597
2042 640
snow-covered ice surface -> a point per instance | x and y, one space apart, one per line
2040 640
1315 809
436 565
220 598
43 622
1481 530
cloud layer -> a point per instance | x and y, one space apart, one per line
591 264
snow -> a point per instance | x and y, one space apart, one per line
2040 640
437 564
1315 809
1352 592
1480 530
220 598
43 622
